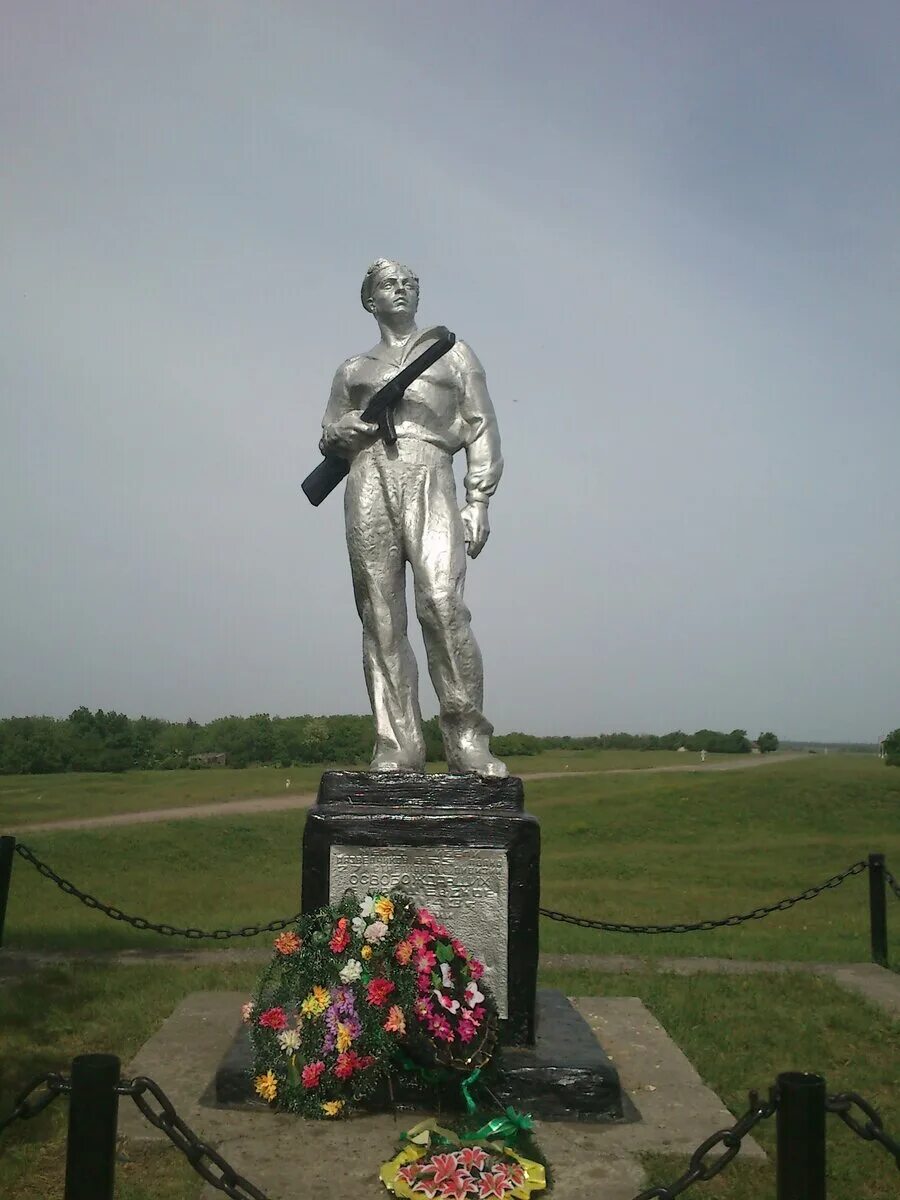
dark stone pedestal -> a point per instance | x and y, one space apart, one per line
564 1076
460 845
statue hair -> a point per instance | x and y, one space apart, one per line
379 265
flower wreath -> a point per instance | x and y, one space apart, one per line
358 989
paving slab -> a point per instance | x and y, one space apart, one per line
288 1157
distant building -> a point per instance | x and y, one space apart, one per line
207 760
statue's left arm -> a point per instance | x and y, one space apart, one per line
484 464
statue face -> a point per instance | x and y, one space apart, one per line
395 292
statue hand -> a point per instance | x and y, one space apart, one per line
350 434
476 527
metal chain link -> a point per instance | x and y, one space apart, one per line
870 1131
895 886
140 922
27 1105
207 1162
737 919
701 1171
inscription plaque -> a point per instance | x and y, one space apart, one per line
467 888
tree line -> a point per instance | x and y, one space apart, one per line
111 741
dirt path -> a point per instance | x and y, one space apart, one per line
288 803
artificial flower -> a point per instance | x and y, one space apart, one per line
384 908
473 1156
476 969
266 1086
378 991
358 924
376 932
473 996
331 1108
289 1040
344 1038
366 952
403 952
426 961
458 948
494 1184
273 1018
466 1029
447 1002
311 1074
340 939
446 976
288 942
396 1022
351 971
419 939
315 1003
445 1167
425 919
247 1012
345 1065
367 906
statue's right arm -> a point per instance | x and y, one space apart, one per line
344 432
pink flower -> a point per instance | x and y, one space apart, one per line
422 1008
459 948
439 930
273 1018
445 1166
378 991
441 1029
311 1074
466 1030
456 1187
425 918
473 1156
423 982
419 939
476 968
493 1184
425 961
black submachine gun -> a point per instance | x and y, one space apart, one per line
322 481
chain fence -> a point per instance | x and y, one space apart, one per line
699 1169
33 1100
756 914
892 883
116 914
737 919
159 1110
207 1162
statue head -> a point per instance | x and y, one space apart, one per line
389 288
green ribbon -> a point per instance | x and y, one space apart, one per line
509 1126
467 1095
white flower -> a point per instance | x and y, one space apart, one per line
351 972
446 975
368 906
247 1012
447 1002
473 996
289 1040
376 932
359 924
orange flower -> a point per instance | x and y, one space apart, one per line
266 1085
384 907
396 1022
403 953
287 942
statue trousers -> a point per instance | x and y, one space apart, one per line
400 507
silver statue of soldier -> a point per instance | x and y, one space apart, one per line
401 507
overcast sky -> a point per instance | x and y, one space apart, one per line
670 232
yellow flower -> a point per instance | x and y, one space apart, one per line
266 1086
315 1003
344 1040
331 1108
384 907
366 952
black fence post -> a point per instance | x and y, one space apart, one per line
878 910
800 1128
93 1115
7 852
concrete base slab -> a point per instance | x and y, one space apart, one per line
286 1156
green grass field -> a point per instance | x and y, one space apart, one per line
635 848
27 798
